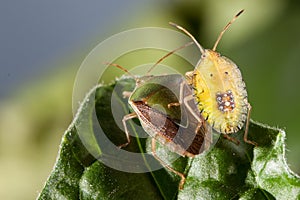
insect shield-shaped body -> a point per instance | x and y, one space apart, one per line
219 90
175 127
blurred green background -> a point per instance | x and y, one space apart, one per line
264 42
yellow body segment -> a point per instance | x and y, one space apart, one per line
220 92
219 89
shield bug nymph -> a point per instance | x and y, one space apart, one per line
219 89
173 126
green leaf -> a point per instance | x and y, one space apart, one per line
228 171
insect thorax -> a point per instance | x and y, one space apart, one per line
220 92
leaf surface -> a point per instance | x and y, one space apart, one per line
227 171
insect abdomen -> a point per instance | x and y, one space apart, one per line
220 92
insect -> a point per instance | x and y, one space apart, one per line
172 126
219 90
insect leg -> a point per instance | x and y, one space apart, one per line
247 127
181 95
231 139
189 77
126 94
185 101
126 118
173 104
208 138
181 183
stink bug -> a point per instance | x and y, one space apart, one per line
174 127
219 89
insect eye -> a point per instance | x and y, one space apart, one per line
226 73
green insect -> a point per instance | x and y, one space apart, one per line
219 90
172 126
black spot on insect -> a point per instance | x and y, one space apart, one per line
211 75
213 124
226 73
206 118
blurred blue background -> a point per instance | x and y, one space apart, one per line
35 33
44 42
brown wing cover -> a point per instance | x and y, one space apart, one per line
165 129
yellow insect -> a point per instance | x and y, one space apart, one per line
219 89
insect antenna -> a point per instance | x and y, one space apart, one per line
188 34
225 28
167 55
122 68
